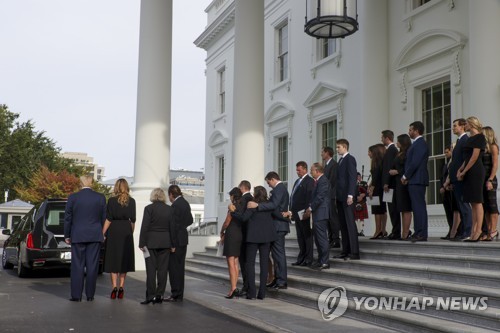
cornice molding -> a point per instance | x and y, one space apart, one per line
211 33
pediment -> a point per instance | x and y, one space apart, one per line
427 45
322 93
278 111
217 138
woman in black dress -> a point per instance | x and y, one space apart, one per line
260 233
231 237
376 189
471 171
403 204
490 161
118 230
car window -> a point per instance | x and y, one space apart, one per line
55 219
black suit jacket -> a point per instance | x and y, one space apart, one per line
320 204
158 227
347 178
457 157
260 227
278 203
301 197
387 162
84 216
183 219
330 172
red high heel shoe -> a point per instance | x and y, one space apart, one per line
113 293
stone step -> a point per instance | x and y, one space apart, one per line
404 321
484 278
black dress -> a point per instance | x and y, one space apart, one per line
473 186
378 190
490 197
233 238
119 255
403 204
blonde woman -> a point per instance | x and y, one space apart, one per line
490 162
118 231
471 171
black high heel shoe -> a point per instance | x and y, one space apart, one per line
113 293
234 293
408 236
120 293
377 236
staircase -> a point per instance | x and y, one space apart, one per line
423 270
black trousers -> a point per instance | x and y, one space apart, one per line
176 271
305 241
84 268
242 259
395 217
264 249
156 272
333 223
279 257
348 228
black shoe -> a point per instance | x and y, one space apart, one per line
324 266
297 263
340 256
305 263
352 257
148 301
280 286
90 299
157 300
418 239
74 299
394 237
272 284
250 297
447 237
361 234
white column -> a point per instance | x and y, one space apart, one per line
248 118
152 142
484 50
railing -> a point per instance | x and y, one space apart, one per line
206 226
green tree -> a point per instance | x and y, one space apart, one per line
23 151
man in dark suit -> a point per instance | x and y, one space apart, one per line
278 203
177 262
346 192
416 177
246 196
320 210
299 201
330 172
83 221
457 159
390 182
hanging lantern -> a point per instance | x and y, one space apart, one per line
331 18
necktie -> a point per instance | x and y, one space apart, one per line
340 160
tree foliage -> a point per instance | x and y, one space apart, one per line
27 156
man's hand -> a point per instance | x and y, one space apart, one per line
67 240
307 214
386 188
172 249
349 201
252 204
404 181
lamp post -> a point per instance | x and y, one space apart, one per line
331 18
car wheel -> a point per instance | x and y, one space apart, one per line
21 270
5 264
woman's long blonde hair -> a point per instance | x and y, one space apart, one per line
491 140
121 191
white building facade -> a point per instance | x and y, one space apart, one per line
275 95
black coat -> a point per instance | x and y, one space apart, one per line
158 227
183 219
260 225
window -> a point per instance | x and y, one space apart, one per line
15 220
221 101
220 187
283 52
418 3
329 134
327 47
436 116
197 218
283 158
